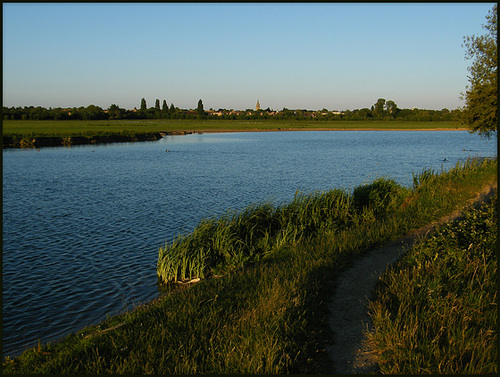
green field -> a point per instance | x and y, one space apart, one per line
34 128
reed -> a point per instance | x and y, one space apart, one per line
235 240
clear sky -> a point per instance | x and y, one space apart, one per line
312 56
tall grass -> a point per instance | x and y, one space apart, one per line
235 240
272 267
436 312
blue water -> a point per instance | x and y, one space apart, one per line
82 225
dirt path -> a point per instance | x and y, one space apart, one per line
348 306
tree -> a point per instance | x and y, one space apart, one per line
93 112
59 114
164 109
157 109
365 114
480 113
379 108
75 113
144 109
199 109
391 107
115 112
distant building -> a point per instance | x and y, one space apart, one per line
257 107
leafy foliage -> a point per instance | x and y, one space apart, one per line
480 113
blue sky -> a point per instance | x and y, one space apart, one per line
336 56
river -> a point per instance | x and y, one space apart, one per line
82 225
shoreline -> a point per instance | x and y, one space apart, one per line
332 129
33 142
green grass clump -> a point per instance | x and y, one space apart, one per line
268 312
260 232
436 312
382 195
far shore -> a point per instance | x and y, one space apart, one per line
332 129
35 134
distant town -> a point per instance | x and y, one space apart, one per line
381 110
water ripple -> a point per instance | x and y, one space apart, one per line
82 230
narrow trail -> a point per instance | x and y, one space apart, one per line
349 317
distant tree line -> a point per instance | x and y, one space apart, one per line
381 110
92 112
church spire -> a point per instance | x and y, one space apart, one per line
257 107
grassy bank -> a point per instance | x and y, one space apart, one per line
436 311
266 272
17 130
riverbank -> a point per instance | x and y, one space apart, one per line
391 270
436 310
265 311
34 134
58 141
